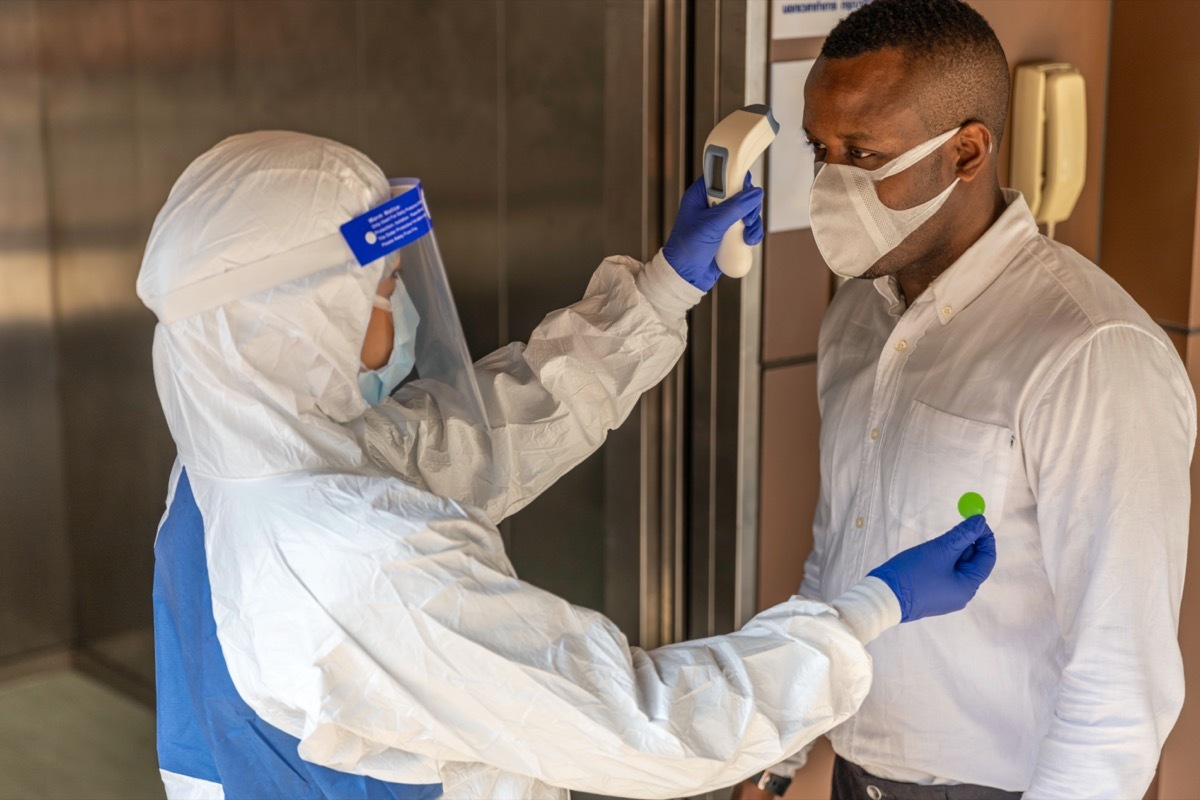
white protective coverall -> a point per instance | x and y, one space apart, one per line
363 600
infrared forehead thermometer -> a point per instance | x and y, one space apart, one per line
735 144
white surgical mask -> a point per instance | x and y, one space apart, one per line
377 384
853 229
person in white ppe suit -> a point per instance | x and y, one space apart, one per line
335 615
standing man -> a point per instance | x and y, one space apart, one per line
974 354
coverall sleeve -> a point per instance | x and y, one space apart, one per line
403 631
1108 449
551 403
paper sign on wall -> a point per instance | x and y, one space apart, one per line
803 19
790 160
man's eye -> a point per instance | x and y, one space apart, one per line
816 147
856 153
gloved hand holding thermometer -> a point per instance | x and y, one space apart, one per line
732 147
716 228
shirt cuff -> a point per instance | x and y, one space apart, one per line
670 294
869 608
788 767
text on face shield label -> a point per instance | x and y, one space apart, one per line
386 228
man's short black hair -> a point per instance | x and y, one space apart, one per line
951 49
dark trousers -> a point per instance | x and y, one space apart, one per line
852 782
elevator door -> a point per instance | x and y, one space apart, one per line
533 127
549 134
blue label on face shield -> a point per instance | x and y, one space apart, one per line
386 228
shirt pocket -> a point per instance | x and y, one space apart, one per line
941 457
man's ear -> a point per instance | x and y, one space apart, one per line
975 148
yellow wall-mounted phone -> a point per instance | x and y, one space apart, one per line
1049 139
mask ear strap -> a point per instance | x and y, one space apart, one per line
906 160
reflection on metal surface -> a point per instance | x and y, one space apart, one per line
538 135
25 286
34 589
444 125
96 281
115 449
554 202
550 135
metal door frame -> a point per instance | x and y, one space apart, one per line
729 70
681 475
642 509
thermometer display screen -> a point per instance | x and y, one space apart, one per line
717 180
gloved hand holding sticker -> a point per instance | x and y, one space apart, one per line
943 574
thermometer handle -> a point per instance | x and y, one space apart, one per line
734 256
736 142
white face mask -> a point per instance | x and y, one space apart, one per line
852 227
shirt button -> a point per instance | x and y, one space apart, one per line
901 346
874 792
874 434
947 311
858 523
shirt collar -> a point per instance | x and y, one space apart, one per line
983 262
976 269
889 289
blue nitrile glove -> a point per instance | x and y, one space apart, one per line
692 246
943 574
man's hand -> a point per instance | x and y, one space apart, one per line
943 574
692 246
748 790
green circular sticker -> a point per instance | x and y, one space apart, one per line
971 504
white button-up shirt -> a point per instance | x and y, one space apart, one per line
1025 374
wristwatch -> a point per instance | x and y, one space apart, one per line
770 782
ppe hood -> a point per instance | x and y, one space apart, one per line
260 383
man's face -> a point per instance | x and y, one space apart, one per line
861 112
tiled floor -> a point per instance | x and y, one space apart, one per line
64 736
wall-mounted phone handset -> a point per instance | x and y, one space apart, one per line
1049 139
733 146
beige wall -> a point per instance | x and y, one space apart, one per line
1150 213
1150 243
1075 31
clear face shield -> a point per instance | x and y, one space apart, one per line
434 424
397 234
427 326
